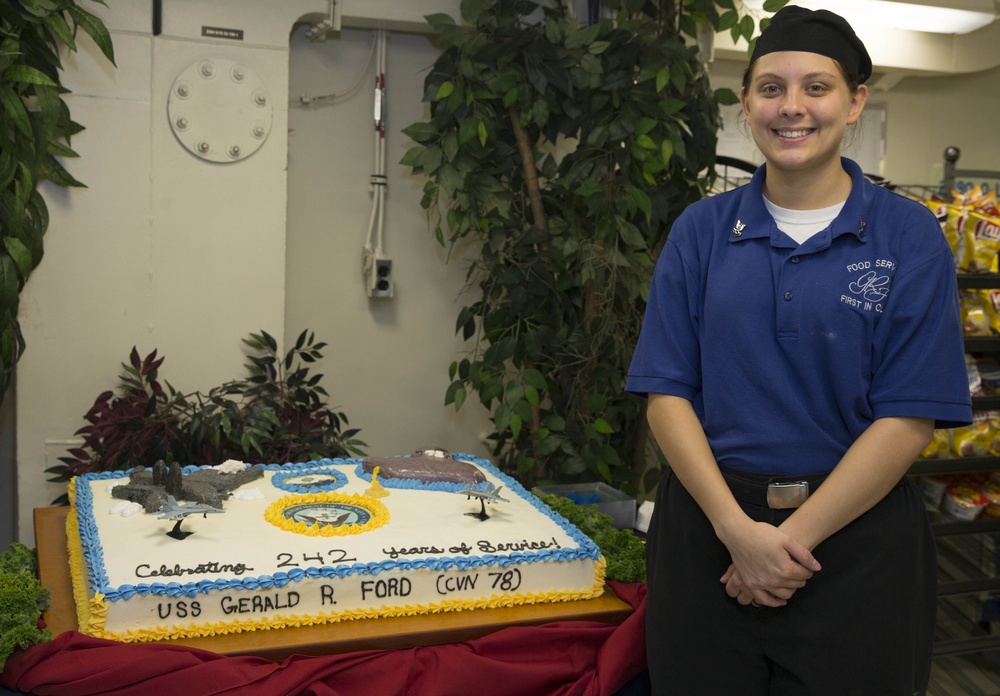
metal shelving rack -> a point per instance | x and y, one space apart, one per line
968 556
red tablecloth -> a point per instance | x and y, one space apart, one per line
556 659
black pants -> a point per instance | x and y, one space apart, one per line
862 626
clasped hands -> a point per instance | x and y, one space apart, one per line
768 566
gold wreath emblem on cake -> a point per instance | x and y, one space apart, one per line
327 514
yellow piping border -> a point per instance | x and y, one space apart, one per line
90 614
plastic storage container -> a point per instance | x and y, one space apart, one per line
611 501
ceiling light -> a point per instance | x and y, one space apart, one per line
940 16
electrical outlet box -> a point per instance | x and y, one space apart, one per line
380 279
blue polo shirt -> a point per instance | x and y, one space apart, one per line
788 352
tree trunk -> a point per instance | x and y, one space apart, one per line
527 152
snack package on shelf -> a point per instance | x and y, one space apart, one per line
980 438
962 497
939 447
971 225
963 501
990 301
972 440
993 423
988 369
952 226
975 319
974 375
976 199
982 241
991 489
939 208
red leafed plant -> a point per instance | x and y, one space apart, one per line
279 413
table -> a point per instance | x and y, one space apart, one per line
324 639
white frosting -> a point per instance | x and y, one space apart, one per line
237 571
231 466
125 508
248 494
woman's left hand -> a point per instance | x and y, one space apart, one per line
737 589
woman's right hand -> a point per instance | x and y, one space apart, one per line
768 565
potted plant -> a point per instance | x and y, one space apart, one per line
36 130
278 413
565 150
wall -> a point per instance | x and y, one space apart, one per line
388 359
926 115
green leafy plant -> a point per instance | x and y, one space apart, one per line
22 601
279 413
35 130
624 552
564 152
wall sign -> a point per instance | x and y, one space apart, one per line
220 33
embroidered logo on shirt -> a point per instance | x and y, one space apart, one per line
869 289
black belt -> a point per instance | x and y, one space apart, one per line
773 491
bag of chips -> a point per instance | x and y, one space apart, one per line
975 321
939 447
982 242
972 440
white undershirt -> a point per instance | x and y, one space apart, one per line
800 225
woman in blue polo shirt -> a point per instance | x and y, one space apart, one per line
801 343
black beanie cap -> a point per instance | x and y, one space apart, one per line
795 28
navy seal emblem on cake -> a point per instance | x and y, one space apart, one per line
327 514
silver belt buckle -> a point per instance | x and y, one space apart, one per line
785 496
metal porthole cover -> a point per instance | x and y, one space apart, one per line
220 110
